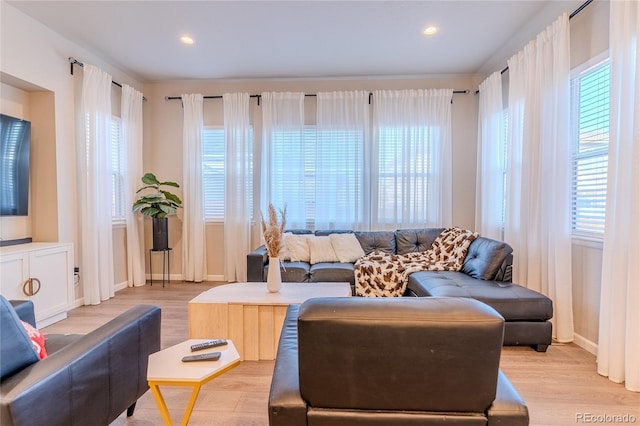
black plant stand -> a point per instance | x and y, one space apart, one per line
166 252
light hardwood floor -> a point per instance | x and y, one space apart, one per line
559 386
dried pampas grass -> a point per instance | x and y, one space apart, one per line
272 231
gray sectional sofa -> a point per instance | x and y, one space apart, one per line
485 276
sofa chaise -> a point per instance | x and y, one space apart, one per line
485 275
392 361
85 379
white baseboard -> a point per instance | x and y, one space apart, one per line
180 277
80 301
585 344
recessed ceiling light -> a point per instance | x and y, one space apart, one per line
430 30
186 39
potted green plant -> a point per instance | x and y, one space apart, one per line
157 203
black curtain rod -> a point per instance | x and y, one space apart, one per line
575 12
73 61
175 98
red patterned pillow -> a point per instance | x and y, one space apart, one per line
37 339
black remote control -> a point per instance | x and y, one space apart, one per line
208 344
213 356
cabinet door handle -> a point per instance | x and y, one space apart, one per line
37 281
27 288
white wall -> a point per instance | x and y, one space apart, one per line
34 58
163 136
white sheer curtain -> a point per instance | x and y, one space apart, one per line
238 172
95 185
619 339
194 247
491 153
131 121
283 151
411 172
342 137
538 189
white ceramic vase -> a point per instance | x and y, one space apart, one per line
274 279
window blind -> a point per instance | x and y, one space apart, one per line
325 169
117 178
590 135
405 167
213 173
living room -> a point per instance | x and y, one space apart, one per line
37 85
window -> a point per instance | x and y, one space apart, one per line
404 169
319 178
213 173
590 138
408 178
117 171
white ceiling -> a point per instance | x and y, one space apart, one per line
292 39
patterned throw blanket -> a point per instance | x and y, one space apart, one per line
386 275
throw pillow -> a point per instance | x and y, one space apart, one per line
16 350
37 339
347 247
296 247
321 250
451 247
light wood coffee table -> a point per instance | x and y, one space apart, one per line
167 369
251 316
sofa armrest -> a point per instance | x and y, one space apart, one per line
256 260
508 408
25 310
286 406
92 380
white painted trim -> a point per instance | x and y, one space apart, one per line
121 286
179 277
587 242
585 344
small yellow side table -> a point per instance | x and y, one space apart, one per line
167 369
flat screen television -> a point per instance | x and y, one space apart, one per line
15 141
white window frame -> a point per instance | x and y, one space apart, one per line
578 232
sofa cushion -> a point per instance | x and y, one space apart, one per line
291 272
416 240
484 258
513 302
16 349
347 247
332 272
321 250
327 232
37 339
384 241
296 247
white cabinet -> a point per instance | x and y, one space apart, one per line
41 272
